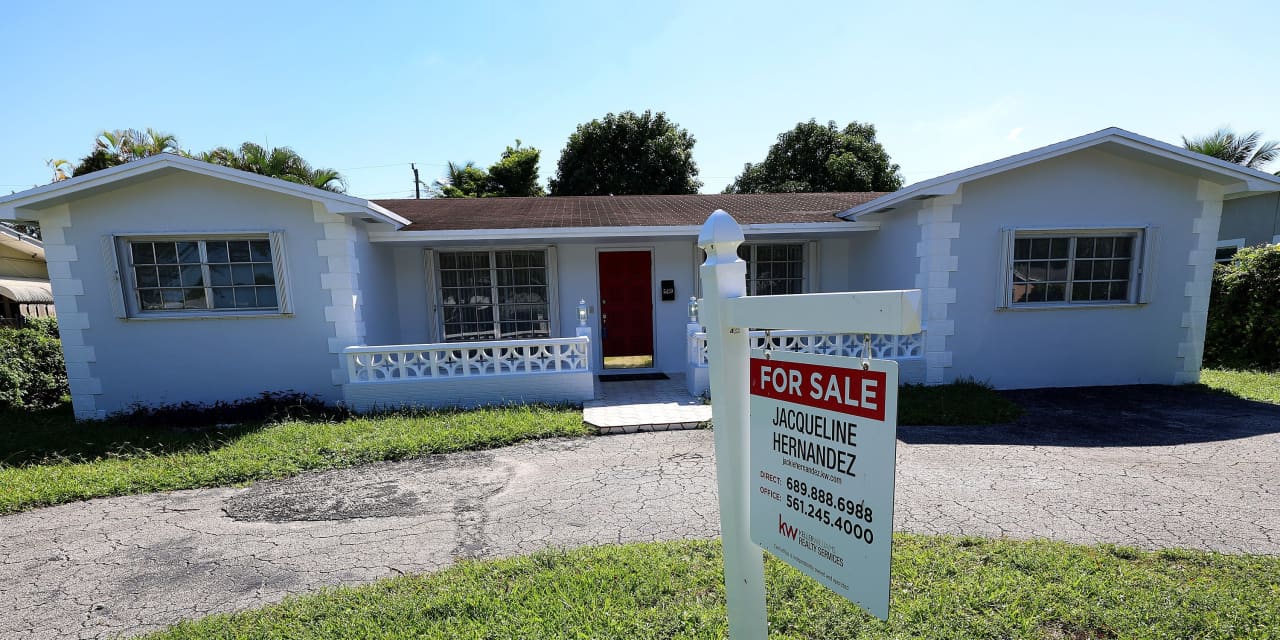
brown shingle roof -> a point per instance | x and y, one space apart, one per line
442 214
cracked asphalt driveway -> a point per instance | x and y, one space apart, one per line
1152 467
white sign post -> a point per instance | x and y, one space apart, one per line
727 314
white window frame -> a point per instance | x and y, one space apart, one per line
1141 265
1237 243
118 254
810 256
435 281
806 269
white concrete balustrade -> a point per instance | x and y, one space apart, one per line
908 350
468 373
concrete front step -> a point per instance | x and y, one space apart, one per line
645 405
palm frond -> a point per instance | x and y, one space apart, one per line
1265 153
1246 149
277 162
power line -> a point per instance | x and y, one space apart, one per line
394 164
405 192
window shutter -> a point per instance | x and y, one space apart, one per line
115 284
553 291
813 263
435 315
280 264
1150 254
1005 272
699 257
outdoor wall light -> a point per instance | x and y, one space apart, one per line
693 309
582 312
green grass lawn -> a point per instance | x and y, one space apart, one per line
942 588
1250 385
47 458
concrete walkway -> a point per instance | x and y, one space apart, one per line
628 406
1152 469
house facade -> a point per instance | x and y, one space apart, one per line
1082 263
24 279
1248 222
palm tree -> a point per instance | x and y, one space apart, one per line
152 142
462 181
1225 144
61 169
278 162
132 144
118 146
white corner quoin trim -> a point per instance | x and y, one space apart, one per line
80 358
938 261
342 280
1204 239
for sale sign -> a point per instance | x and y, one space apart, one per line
823 446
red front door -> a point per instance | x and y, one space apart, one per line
626 309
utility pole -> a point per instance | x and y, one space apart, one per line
417 184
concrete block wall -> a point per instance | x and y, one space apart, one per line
471 391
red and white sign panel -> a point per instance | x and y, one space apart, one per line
823 448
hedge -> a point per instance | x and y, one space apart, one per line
1243 331
32 372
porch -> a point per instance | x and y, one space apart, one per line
468 374
561 370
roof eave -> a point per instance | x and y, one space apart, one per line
23 205
1240 181
23 241
484 235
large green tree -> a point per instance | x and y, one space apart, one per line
277 162
627 154
1245 149
118 146
819 158
514 175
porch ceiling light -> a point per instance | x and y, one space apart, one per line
582 312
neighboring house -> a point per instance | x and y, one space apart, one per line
24 278
1086 262
1248 222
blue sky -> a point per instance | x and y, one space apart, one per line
371 87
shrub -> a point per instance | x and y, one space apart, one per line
1243 331
32 373
269 406
48 325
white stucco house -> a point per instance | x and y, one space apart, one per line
1248 222
24 279
1087 262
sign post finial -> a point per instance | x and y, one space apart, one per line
720 237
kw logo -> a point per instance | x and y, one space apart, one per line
786 529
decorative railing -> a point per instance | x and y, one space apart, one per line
460 359
883 346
